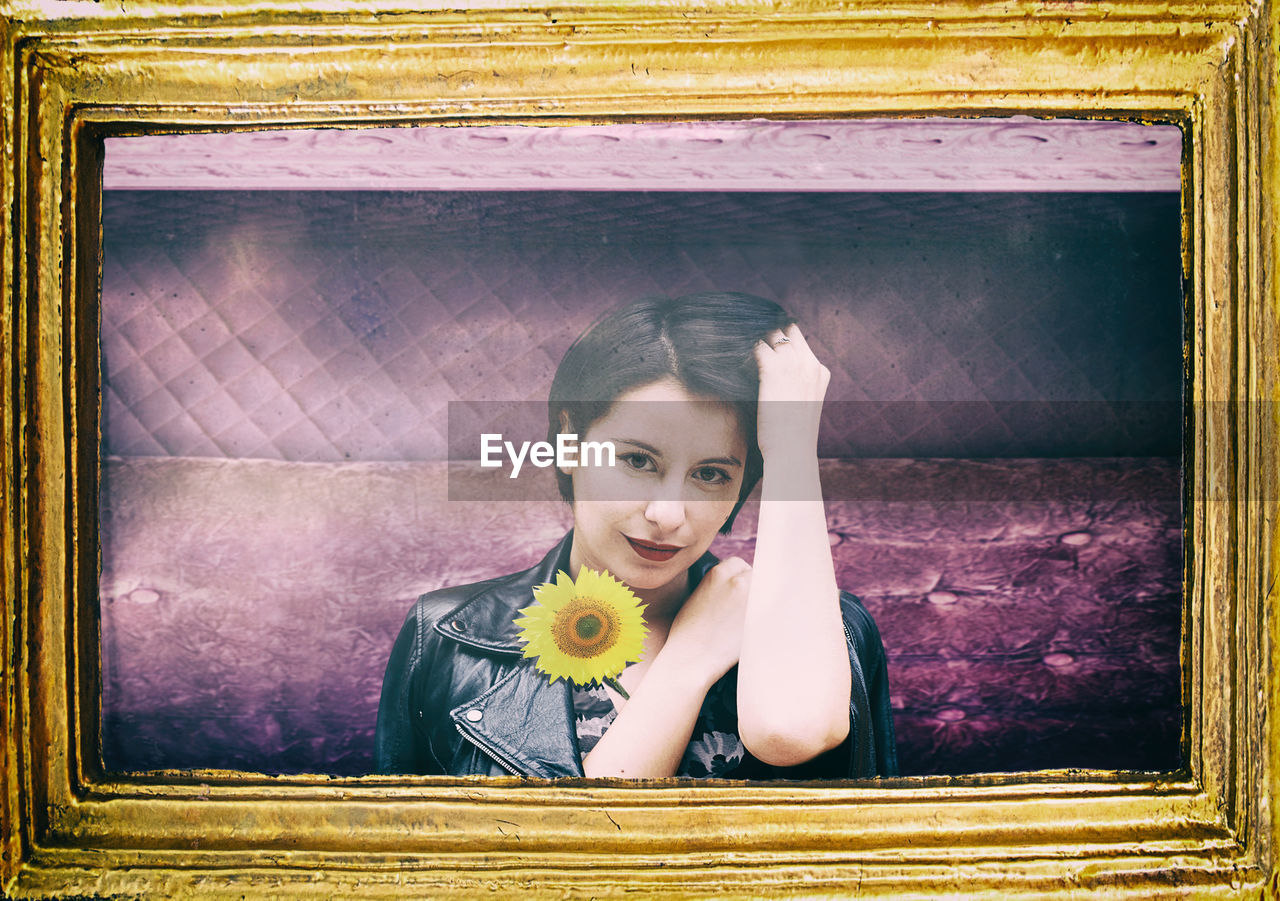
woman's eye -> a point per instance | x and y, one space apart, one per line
638 462
711 475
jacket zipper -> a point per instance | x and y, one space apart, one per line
501 760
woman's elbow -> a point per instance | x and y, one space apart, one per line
791 741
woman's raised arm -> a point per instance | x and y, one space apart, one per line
793 675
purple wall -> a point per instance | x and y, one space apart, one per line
278 369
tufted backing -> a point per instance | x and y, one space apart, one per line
337 326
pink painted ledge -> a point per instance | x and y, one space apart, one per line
1013 154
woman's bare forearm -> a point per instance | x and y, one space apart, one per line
794 677
648 738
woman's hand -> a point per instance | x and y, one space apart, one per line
707 632
793 384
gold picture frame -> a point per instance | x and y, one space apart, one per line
76 73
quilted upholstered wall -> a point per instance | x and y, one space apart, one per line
338 325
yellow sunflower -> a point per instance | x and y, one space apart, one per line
584 631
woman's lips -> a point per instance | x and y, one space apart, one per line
650 551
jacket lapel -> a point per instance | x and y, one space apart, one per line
486 621
524 721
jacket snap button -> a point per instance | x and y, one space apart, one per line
459 625
474 715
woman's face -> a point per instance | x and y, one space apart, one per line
677 473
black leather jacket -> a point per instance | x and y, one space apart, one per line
459 699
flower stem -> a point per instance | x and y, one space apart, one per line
612 682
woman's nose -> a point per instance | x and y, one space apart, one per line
667 513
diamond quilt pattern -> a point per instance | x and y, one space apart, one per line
330 326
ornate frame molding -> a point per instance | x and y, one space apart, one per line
77 73
1015 154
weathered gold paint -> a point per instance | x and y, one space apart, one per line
75 71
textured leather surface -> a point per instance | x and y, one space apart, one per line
249 607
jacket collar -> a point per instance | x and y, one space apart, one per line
486 620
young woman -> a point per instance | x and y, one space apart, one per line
759 671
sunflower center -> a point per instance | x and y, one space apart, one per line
584 627
588 627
